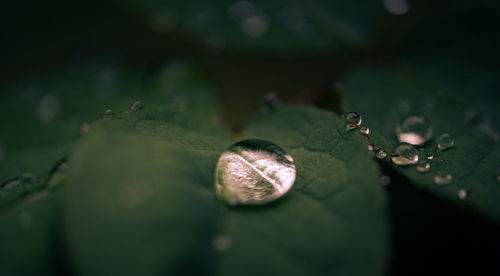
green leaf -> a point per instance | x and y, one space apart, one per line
384 98
333 216
266 25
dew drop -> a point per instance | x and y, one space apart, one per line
222 242
136 106
352 120
381 154
48 108
108 113
85 128
442 178
404 155
445 141
270 102
371 147
423 166
415 130
364 130
385 180
253 172
255 26
430 155
463 194
397 7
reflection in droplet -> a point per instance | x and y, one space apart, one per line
48 108
404 155
385 180
381 154
430 155
85 128
108 113
240 10
270 102
352 120
442 178
463 194
397 7
445 141
222 242
136 106
423 166
255 26
253 172
415 130
364 130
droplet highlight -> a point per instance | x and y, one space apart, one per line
430 155
404 155
442 178
445 141
381 154
253 172
463 194
414 130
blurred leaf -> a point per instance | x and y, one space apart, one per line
333 216
385 98
267 25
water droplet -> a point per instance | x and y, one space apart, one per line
253 172
352 120
404 155
270 102
108 113
445 141
463 194
397 7
255 26
415 130
423 166
371 147
240 10
222 242
381 154
385 180
442 178
430 155
136 106
85 128
48 108
364 130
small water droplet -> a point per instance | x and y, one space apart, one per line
381 154
255 26
397 7
445 141
240 10
270 102
108 113
385 180
371 147
430 155
415 130
48 108
222 242
463 194
136 106
404 155
364 130
253 172
85 128
423 166
442 178
352 120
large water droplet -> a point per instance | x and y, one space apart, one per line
364 130
48 108
404 155
463 194
381 154
222 242
136 106
423 166
270 102
442 178
352 120
397 7
253 172
445 141
415 130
